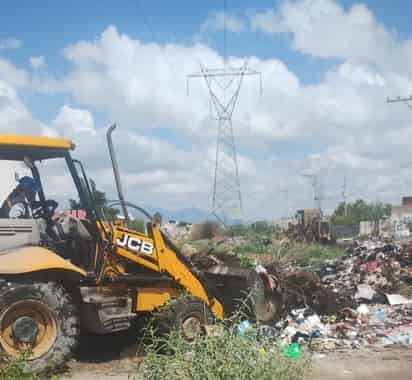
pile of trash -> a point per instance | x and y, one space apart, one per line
369 326
357 301
368 311
368 272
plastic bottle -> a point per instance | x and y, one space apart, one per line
380 315
243 327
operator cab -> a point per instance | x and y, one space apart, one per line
68 235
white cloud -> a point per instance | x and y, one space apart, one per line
345 114
20 78
216 21
323 28
38 62
10 43
338 126
13 75
70 122
267 21
14 116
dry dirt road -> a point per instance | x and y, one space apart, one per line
388 364
115 359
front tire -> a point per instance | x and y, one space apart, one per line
187 314
38 318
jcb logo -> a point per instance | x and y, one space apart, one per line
135 244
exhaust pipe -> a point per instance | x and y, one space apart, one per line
116 170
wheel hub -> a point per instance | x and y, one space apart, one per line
27 325
25 330
191 328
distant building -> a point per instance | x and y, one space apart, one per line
177 230
403 213
401 218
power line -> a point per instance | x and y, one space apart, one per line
150 28
145 19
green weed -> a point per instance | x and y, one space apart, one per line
16 369
222 356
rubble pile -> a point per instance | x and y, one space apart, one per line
368 271
370 313
364 328
357 301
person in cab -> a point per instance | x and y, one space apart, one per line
19 203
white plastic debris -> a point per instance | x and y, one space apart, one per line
365 292
362 309
397 299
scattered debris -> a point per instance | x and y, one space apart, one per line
367 327
357 301
371 314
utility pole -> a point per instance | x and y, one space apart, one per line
399 99
224 86
317 199
405 100
344 195
286 192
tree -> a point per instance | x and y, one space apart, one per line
359 211
262 227
101 203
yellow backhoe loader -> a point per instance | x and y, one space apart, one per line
60 275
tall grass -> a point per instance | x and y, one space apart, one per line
220 356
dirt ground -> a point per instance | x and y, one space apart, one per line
387 364
117 358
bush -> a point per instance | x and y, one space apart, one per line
16 370
314 255
225 355
309 256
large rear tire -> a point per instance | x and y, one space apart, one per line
38 318
186 314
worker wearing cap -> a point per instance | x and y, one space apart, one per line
18 202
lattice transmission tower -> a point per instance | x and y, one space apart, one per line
224 87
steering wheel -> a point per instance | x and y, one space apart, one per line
44 209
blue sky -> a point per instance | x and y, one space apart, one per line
322 105
49 25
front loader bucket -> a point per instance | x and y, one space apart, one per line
242 290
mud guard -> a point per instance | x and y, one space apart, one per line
34 259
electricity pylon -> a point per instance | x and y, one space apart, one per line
227 198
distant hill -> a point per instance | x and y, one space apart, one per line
189 215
